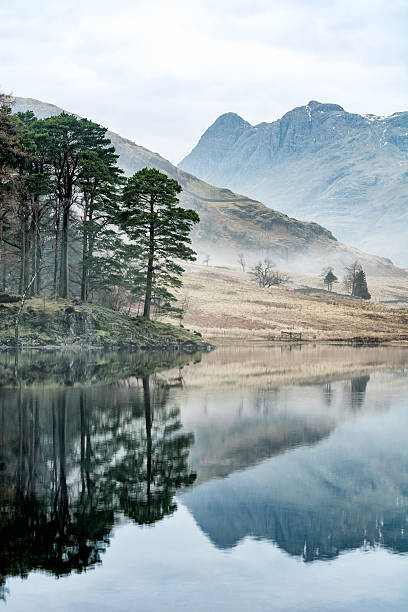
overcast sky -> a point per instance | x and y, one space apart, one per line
160 71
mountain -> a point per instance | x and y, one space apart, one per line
346 171
232 223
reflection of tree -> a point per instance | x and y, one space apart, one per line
72 460
328 393
43 525
357 391
154 464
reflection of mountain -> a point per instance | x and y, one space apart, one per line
256 424
348 491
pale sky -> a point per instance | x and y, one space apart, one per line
160 72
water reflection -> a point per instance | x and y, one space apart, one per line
290 452
75 460
342 486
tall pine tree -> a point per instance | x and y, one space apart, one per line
155 222
360 286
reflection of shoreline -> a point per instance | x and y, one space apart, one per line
72 368
122 448
271 366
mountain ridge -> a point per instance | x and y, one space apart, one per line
345 171
233 223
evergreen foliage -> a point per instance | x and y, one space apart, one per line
329 278
360 286
71 226
355 281
160 229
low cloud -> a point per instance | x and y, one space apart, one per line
161 72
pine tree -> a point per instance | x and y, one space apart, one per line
11 154
360 286
160 229
70 141
99 180
329 278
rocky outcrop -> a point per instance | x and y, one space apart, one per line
346 171
65 324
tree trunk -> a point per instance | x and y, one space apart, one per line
23 258
38 259
148 418
24 293
84 276
56 253
64 272
91 244
36 244
149 276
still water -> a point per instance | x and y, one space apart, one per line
252 478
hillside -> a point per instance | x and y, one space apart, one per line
225 304
232 223
346 171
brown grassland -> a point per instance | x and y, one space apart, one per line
226 304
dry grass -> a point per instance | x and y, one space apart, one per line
225 304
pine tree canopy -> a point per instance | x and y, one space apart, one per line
360 286
153 219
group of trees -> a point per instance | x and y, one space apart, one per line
72 226
355 281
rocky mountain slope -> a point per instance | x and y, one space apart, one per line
345 171
232 223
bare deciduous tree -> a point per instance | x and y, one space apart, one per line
266 276
242 261
350 275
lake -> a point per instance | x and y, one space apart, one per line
250 478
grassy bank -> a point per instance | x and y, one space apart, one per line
62 323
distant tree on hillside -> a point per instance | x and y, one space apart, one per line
242 261
355 281
350 274
329 278
265 276
360 286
